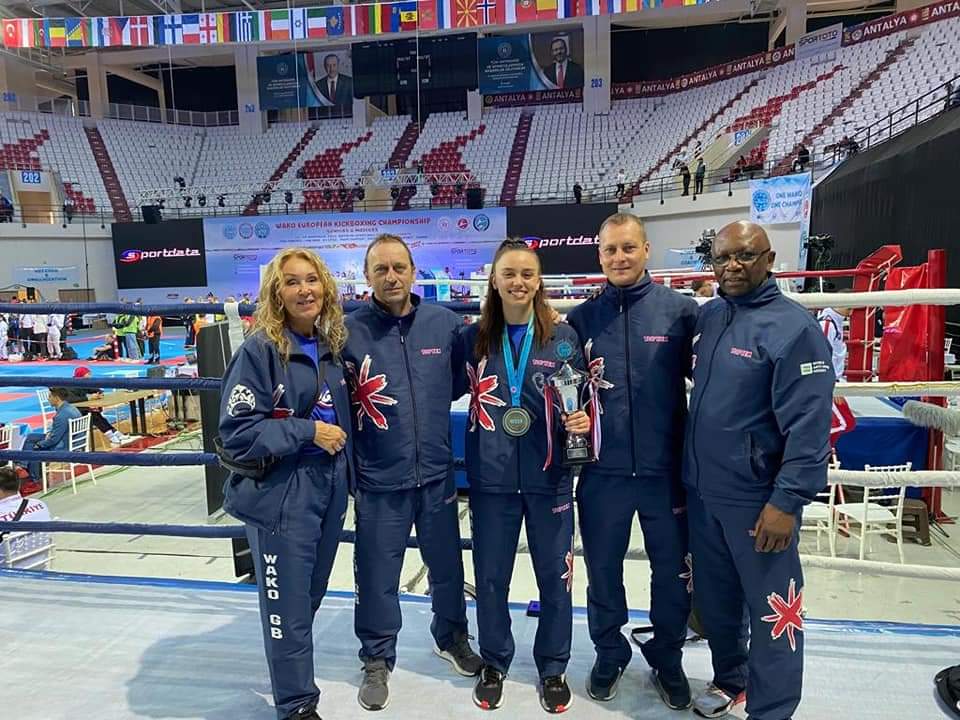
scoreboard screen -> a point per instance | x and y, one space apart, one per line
383 68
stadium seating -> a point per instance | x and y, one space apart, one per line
529 155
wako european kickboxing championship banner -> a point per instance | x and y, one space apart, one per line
322 79
445 243
539 67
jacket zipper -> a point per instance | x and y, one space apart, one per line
286 490
626 340
703 390
413 401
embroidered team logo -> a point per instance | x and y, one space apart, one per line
366 393
787 614
568 575
481 393
241 401
688 573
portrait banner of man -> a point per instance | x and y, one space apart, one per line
330 78
558 59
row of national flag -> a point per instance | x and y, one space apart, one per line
303 23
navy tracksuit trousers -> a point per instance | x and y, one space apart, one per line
384 521
495 519
728 572
607 506
292 573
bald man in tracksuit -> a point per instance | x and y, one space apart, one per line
636 336
401 359
756 452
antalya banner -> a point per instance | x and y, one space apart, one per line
323 79
534 62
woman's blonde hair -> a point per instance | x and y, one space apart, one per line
270 316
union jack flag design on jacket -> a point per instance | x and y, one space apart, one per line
481 393
366 393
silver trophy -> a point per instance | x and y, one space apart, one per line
568 384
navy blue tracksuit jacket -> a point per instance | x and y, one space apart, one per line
295 513
404 372
637 345
508 486
758 433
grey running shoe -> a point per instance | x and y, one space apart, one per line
714 702
464 660
374 692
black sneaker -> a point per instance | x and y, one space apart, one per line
673 688
603 681
488 692
374 691
555 695
464 660
305 713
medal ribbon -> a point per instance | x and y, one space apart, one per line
516 372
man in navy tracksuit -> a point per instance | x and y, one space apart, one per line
756 452
637 338
401 356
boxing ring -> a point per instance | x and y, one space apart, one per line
131 647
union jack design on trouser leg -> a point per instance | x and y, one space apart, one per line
292 573
729 573
607 507
384 521
495 519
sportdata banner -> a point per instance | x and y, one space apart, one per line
445 244
323 79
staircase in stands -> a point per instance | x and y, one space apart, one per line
785 164
253 207
118 201
635 188
329 164
518 152
447 157
399 157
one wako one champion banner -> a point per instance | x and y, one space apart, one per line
530 63
321 79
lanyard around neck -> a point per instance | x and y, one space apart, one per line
516 372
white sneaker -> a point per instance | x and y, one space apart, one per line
714 702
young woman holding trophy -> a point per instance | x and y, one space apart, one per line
526 432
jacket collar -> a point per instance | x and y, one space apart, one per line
629 294
761 295
322 348
381 311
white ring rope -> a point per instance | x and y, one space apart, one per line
941 388
875 567
895 478
881 298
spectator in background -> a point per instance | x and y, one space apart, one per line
14 330
54 323
702 289
577 192
58 438
40 334
803 156
16 508
947 103
154 332
190 338
97 420
699 177
126 327
141 331
621 182
26 333
110 350
4 337
685 177
68 211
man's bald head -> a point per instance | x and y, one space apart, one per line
741 257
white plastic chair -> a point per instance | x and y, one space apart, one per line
27 551
46 409
79 441
820 517
881 508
